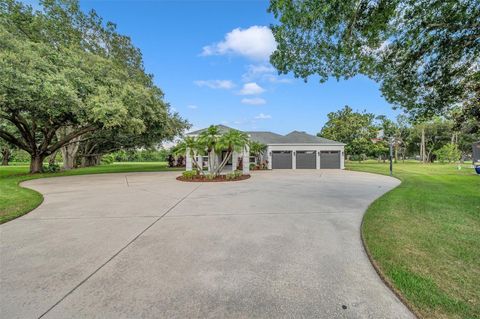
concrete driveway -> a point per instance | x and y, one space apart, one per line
283 244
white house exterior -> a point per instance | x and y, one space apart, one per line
296 150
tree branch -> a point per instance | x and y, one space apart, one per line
13 140
69 137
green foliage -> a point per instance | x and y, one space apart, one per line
352 128
234 175
189 174
448 153
425 53
60 67
424 236
51 168
210 142
107 159
144 155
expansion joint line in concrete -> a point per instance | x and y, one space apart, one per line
118 252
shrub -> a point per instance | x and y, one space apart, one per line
233 175
448 153
107 159
189 174
51 168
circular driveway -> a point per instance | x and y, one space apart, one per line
282 244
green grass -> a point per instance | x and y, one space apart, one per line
424 237
16 201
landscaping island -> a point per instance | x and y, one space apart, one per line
194 176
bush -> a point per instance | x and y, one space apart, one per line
107 159
448 153
51 168
189 174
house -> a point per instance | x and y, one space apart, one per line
296 150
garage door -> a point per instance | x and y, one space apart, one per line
281 159
330 159
306 159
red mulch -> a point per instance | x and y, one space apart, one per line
220 178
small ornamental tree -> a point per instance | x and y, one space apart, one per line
448 153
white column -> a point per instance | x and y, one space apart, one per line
318 159
342 159
294 159
246 160
200 161
188 161
234 160
269 157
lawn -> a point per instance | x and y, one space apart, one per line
424 237
16 201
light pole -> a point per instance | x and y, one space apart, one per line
391 140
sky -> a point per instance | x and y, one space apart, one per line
210 58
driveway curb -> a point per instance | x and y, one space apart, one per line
377 268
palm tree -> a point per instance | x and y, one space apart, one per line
257 148
210 138
231 141
192 145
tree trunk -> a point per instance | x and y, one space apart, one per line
69 150
69 153
90 160
36 163
5 157
52 159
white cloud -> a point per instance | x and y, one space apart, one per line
192 106
251 88
256 42
215 84
263 72
262 116
257 71
254 101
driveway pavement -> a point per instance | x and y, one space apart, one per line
283 244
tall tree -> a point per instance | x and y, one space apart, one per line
61 68
352 128
424 53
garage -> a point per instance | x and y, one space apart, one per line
306 159
330 159
281 159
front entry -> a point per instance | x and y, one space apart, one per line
281 159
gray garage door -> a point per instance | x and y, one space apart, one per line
330 159
306 159
281 159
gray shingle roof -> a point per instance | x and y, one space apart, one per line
266 137
295 137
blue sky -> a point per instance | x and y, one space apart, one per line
210 59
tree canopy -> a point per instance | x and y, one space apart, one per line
60 67
424 53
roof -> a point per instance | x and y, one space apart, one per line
265 137
302 137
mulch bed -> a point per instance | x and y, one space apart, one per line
221 178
